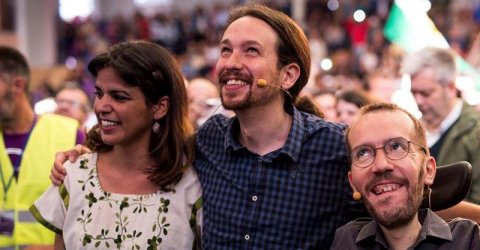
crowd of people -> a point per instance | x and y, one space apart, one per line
282 153
362 58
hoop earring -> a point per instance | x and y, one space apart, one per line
156 127
357 196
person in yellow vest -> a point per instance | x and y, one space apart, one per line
27 148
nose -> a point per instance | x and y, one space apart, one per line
233 61
381 163
419 99
342 117
102 105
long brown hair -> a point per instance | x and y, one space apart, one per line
152 68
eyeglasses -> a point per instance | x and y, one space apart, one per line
395 149
70 103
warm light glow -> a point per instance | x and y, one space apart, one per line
426 5
466 85
326 64
359 16
70 9
71 62
333 5
46 105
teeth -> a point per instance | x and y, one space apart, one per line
109 123
236 82
380 189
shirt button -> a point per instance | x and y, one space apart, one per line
254 198
247 237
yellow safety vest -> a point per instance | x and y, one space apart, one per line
52 133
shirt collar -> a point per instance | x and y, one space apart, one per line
452 116
291 147
432 226
434 136
231 135
369 231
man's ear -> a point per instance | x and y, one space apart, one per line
357 196
161 108
19 85
430 170
452 88
291 73
350 181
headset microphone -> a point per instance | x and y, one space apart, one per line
263 83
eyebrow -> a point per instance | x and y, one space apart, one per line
383 142
225 41
112 91
244 44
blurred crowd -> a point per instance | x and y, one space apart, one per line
359 55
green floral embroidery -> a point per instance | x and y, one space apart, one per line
84 164
122 232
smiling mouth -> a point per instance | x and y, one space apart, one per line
234 82
107 123
385 188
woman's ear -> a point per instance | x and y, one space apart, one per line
291 73
161 108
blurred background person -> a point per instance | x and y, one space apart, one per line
326 101
382 84
203 99
349 103
72 101
452 125
28 143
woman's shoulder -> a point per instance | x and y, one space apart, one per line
189 179
189 185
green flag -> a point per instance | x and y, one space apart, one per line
409 26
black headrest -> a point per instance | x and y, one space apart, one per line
451 185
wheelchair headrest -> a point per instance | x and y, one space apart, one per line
451 185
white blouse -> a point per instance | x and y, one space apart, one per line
90 218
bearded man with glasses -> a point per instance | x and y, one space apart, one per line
391 171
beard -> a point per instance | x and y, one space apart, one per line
251 99
242 104
399 214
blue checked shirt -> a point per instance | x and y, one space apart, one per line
292 198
